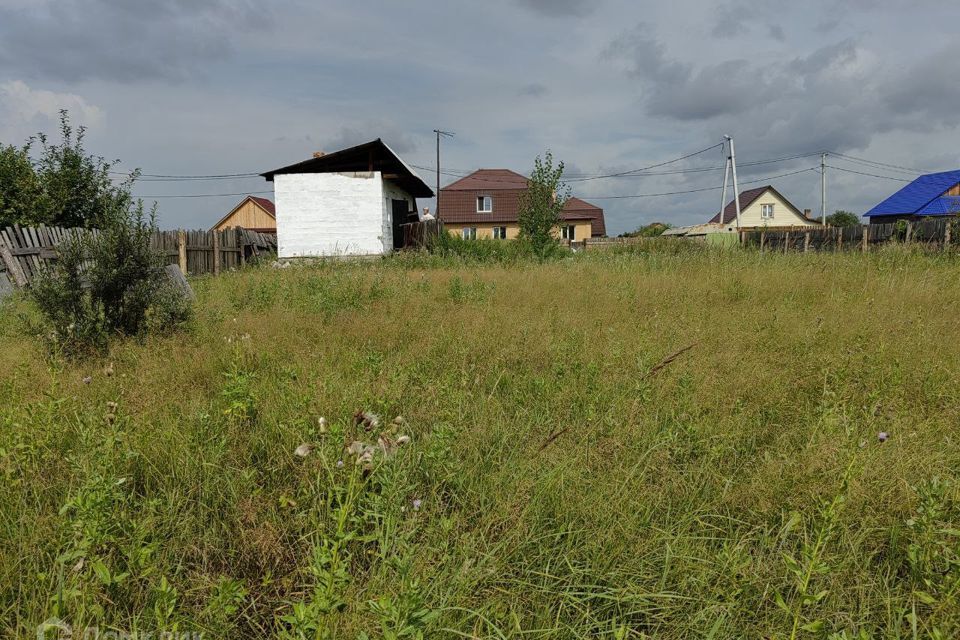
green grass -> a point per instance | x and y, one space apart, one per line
740 491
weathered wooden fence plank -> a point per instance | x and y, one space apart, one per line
27 250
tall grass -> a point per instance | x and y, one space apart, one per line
565 477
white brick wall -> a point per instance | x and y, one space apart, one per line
330 214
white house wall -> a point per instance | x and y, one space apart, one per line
330 214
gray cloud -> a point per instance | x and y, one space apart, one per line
119 40
399 141
835 97
559 8
533 90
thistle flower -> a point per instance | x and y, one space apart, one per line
883 436
402 440
304 450
416 504
356 448
88 380
368 420
339 464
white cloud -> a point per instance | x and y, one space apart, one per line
25 110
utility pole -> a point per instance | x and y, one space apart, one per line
736 187
823 189
723 196
445 134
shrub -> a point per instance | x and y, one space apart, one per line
106 283
486 249
541 206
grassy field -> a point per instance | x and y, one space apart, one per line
565 478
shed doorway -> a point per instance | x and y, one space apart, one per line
398 217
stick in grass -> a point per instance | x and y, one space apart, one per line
666 361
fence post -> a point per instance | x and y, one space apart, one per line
182 250
839 239
13 267
743 239
216 253
786 242
763 236
909 232
863 244
946 235
806 242
243 257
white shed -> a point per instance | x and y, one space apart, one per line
347 203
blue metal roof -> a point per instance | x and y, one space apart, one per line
942 206
926 192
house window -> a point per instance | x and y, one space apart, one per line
469 233
484 204
499 233
569 232
766 211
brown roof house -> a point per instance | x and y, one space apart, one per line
486 203
253 213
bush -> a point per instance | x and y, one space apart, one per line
107 283
487 249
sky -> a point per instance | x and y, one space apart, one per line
215 87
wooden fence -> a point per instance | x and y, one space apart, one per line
418 235
934 233
24 251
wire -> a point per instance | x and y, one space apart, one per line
636 173
674 193
871 175
204 195
875 163
161 177
653 166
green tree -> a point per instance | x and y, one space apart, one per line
64 186
541 206
842 218
20 189
78 190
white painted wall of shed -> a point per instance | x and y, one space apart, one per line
330 214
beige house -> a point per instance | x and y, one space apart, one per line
764 207
253 214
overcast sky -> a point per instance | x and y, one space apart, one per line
196 87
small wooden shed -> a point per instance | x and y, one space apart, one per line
253 213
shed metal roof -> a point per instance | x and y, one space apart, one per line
371 156
923 196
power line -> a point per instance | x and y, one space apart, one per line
636 173
162 177
877 164
653 166
675 193
203 195
871 175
